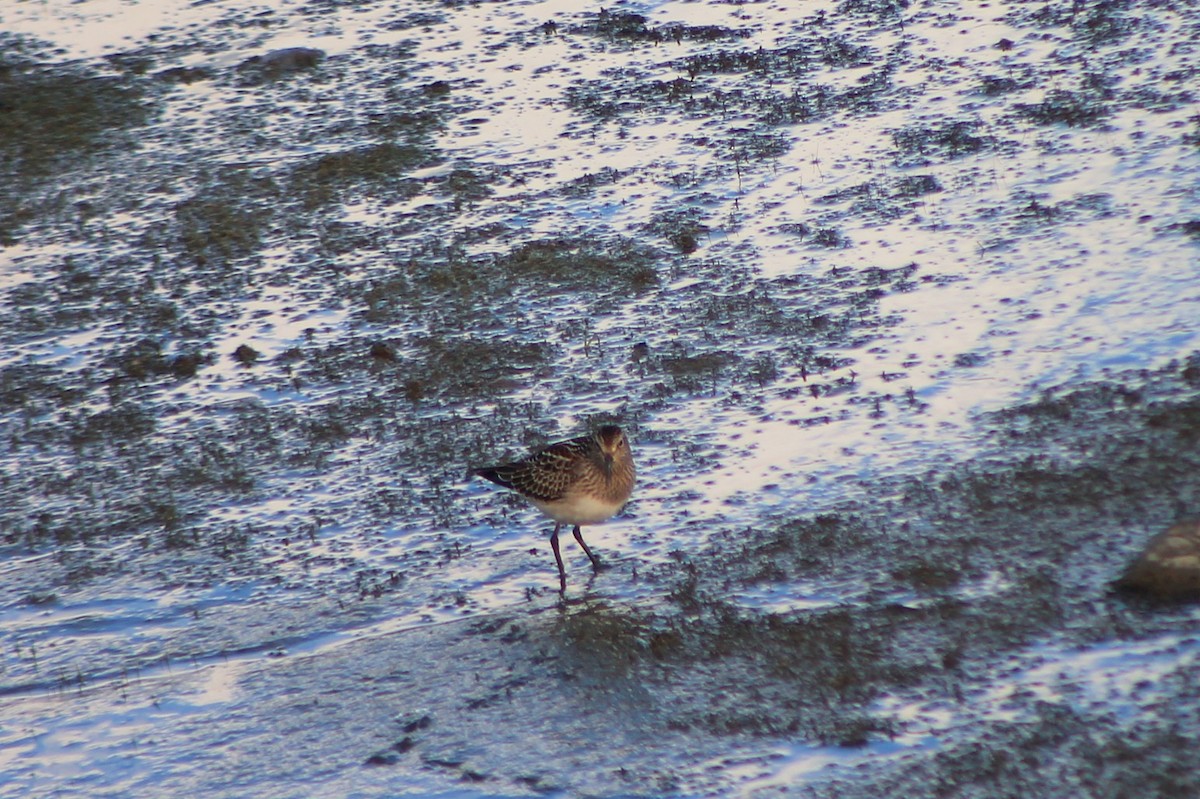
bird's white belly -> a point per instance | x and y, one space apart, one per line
578 510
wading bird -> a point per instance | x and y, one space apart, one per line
580 481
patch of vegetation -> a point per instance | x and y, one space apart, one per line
414 19
442 276
744 146
467 186
381 168
1031 212
1072 108
53 119
917 186
882 199
123 423
828 237
1096 24
628 26
884 9
997 85
628 95
918 145
51 116
472 366
146 360
1159 102
683 229
586 185
36 388
226 220
580 264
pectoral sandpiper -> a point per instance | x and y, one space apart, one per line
584 480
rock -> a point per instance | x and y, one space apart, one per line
1169 566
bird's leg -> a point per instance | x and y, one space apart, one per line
591 557
562 573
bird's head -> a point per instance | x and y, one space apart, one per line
614 446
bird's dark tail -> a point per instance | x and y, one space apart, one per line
492 473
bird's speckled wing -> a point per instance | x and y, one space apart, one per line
545 475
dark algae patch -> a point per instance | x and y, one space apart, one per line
54 114
580 264
55 117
